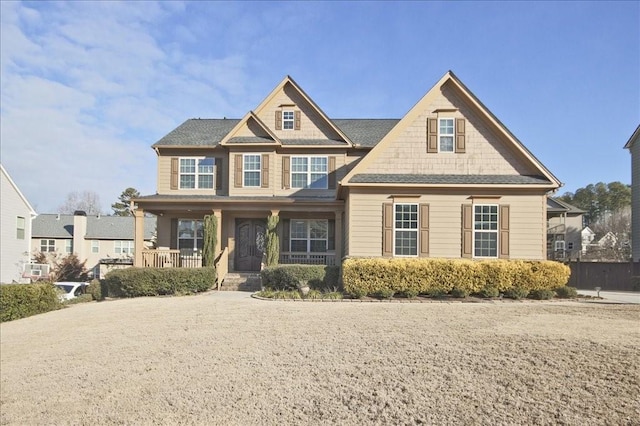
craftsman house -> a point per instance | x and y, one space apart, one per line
446 180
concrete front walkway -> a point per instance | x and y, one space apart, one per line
630 297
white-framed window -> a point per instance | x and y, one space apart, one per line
559 245
47 246
124 247
68 246
20 225
288 120
197 173
309 236
95 246
190 234
405 229
446 134
251 170
485 230
309 172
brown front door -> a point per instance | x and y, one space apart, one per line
250 242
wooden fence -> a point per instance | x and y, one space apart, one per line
612 276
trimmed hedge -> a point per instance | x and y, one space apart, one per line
136 282
440 276
23 300
288 277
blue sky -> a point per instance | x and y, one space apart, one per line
88 87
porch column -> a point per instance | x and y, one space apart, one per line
338 237
138 236
218 215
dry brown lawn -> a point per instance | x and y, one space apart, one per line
227 359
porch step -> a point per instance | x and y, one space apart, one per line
241 281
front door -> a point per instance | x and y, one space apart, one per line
250 242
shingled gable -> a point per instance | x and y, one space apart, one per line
542 177
250 130
338 136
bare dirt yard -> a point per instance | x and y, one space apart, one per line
228 359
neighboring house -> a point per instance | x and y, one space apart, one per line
564 230
15 221
588 236
448 180
101 241
633 145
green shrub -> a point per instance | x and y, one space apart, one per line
385 293
95 289
358 293
489 292
460 292
437 293
333 295
23 300
83 298
314 294
411 293
566 292
635 283
541 294
288 277
136 282
516 293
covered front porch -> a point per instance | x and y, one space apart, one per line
310 231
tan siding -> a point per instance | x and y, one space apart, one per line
485 153
164 173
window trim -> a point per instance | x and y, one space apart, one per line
21 227
416 229
49 244
308 238
68 246
309 172
245 170
193 239
452 135
494 231
196 174
95 246
286 120
130 247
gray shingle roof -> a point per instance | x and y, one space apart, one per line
209 132
449 179
250 139
213 198
98 227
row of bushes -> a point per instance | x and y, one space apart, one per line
23 300
137 282
362 277
290 277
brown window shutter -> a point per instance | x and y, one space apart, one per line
284 242
504 231
467 230
432 135
332 173
265 170
424 230
387 229
460 135
331 234
278 120
297 120
175 166
286 176
237 181
218 173
173 243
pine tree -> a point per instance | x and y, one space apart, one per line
123 206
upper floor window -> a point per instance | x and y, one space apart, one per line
20 224
446 134
95 246
68 246
309 172
485 230
124 247
196 173
405 229
251 170
47 246
288 120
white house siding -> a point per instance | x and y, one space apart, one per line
13 251
364 217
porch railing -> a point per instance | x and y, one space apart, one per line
308 258
557 229
170 258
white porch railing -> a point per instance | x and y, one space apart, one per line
170 258
308 258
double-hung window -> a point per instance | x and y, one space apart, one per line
68 246
47 246
124 247
197 173
190 234
288 120
485 230
251 170
20 224
446 133
95 246
405 229
309 172
309 236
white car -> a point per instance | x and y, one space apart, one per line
71 290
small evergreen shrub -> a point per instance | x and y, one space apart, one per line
411 293
136 282
460 292
335 295
289 277
24 300
437 293
516 293
314 294
385 293
490 292
358 293
541 294
83 298
95 290
566 292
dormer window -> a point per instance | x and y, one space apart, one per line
446 132
287 120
